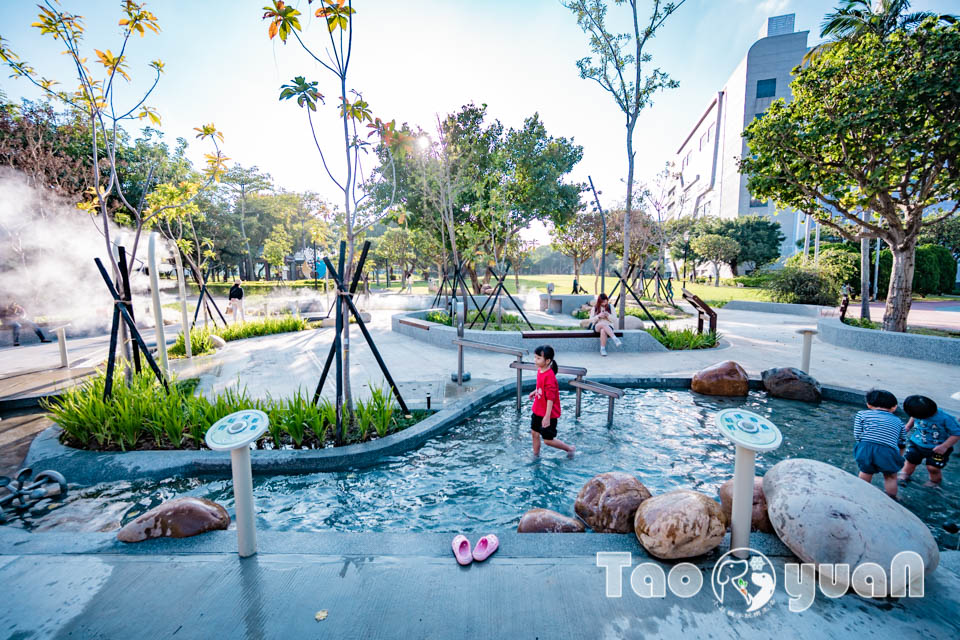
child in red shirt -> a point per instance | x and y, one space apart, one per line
546 403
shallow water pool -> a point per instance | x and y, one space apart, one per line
482 476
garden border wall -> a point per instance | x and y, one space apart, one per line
811 310
904 345
92 467
442 336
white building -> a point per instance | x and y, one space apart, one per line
708 182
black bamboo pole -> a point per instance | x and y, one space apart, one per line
627 287
128 300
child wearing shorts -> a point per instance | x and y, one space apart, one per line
932 436
879 435
546 403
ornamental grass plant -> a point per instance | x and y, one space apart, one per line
200 337
682 339
142 416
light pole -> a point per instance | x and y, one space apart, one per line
686 245
603 219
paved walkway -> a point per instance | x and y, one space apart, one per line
407 586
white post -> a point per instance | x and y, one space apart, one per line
243 501
157 309
742 510
184 316
807 344
62 343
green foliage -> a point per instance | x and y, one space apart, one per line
683 339
946 266
200 337
759 238
757 279
798 285
142 415
862 323
927 274
842 267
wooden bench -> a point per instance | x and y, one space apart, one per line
551 335
419 324
612 394
486 346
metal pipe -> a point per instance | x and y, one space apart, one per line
519 383
157 309
243 501
742 509
182 292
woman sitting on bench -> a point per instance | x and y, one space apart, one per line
601 319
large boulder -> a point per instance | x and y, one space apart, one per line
547 521
721 379
632 323
792 384
679 524
759 521
608 501
178 518
828 516
217 341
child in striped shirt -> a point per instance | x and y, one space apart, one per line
880 436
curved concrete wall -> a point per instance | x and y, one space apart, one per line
904 345
774 307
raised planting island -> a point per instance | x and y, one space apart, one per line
416 325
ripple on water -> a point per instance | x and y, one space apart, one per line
481 475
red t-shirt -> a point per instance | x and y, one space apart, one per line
547 389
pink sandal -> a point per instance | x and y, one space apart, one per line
461 549
485 547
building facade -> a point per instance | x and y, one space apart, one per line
706 179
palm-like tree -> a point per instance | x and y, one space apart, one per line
855 18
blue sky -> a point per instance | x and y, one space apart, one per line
412 61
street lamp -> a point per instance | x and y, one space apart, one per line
603 219
686 245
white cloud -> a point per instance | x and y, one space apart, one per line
772 7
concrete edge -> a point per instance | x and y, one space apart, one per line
811 310
93 467
903 345
634 341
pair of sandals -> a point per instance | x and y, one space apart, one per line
484 549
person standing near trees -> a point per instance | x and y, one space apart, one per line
236 301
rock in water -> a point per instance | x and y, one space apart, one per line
759 521
826 515
722 379
178 518
679 524
608 501
792 384
547 521
217 341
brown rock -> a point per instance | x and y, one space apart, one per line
792 384
759 520
722 379
178 518
608 501
679 524
547 521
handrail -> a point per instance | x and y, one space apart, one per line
590 385
703 309
579 372
486 346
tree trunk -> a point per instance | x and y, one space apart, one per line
626 220
716 271
900 292
865 280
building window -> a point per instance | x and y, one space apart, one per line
757 203
766 88
686 159
757 116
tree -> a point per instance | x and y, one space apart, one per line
858 17
645 236
716 249
395 246
619 70
241 182
579 239
868 145
277 247
96 99
759 239
946 233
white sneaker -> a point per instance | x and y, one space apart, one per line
618 342
603 351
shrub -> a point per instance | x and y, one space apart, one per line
927 274
842 267
947 265
681 339
862 323
200 337
803 286
757 279
141 415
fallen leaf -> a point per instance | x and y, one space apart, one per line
321 615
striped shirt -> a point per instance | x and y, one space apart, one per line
881 427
